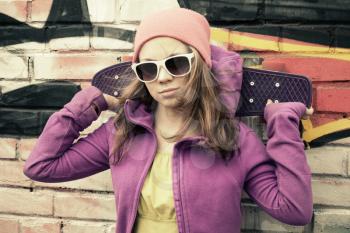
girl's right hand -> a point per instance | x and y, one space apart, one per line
299 108
112 102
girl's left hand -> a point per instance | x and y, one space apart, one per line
307 114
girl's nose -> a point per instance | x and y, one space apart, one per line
163 75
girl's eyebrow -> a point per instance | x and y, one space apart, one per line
150 59
173 54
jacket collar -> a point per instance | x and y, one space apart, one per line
137 113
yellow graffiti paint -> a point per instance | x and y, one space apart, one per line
242 40
311 133
337 56
253 43
219 35
224 36
290 47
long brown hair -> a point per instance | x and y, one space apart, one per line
200 103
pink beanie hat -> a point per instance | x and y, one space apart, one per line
182 24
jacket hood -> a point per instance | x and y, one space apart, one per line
226 67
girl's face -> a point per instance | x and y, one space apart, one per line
166 88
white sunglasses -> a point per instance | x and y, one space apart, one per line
178 65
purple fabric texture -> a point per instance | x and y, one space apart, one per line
227 66
207 192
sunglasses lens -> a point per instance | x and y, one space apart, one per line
147 71
178 65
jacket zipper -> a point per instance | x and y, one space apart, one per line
180 183
179 191
138 191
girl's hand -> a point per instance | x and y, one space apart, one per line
111 101
307 114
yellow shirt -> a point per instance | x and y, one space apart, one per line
156 212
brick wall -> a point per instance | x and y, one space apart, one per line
43 40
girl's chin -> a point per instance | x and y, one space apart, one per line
168 103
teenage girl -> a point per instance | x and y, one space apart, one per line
178 157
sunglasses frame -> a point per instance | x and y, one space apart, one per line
189 56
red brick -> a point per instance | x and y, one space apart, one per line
324 67
327 160
111 229
25 146
126 58
40 10
83 227
22 201
274 65
9 225
13 66
11 173
110 43
331 191
14 9
333 98
40 226
85 206
324 118
69 42
348 158
131 11
332 220
71 66
8 148
102 13
99 182
84 84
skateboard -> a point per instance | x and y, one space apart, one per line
257 86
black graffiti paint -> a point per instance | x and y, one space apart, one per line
238 15
25 111
314 21
67 18
325 22
307 11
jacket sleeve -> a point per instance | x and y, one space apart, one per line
278 177
55 158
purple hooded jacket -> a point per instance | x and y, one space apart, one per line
207 192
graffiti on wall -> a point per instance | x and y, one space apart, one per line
237 16
301 37
61 12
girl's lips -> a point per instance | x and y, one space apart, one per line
168 93
167 90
